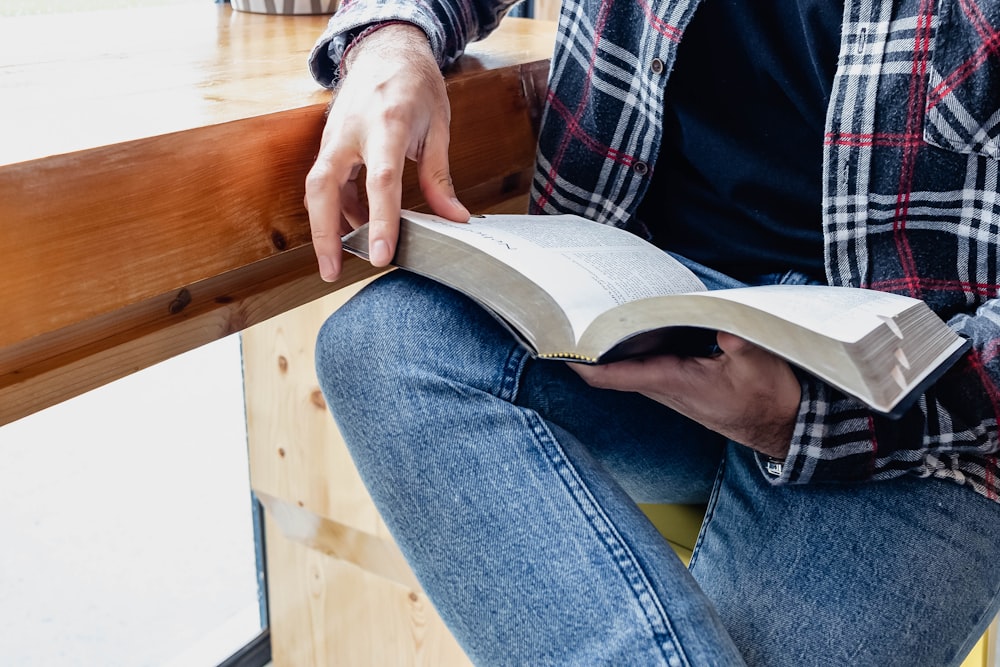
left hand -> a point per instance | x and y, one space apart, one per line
746 393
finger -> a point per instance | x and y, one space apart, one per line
384 185
730 344
632 374
434 175
606 376
323 205
585 371
354 211
749 362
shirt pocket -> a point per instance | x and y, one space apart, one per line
963 93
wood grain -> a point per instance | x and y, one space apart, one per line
547 10
163 208
76 81
378 555
296 452
340 591
325 611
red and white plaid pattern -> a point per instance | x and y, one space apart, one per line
911 187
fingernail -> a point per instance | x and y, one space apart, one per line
379 253
327 269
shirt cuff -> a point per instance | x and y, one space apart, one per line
353 19
833 439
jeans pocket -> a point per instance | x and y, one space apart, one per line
963 93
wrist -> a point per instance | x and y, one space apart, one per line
383 39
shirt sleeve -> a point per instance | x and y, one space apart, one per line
950 432
449 24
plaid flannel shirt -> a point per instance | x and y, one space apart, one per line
911 199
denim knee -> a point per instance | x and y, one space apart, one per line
404 366
356 337
404 333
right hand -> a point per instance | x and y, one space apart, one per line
392 105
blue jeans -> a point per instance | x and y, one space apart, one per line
511 487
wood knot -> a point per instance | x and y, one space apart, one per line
180 301
281 452
278 240
414 597
316 398
282 363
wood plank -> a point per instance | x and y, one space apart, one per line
144 245
340 590
377 555
117 225
150 331
88 79
324 611
109 82
296 451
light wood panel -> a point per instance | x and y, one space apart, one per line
76 81
156 204
376 554
296 452
547 10
325 611
340 592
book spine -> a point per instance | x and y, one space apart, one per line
568 356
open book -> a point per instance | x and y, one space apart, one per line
577 290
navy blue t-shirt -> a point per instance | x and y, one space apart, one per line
737 185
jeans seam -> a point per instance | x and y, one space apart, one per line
620 553
713 503
510 378
985 618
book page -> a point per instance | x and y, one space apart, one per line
573 259
845 314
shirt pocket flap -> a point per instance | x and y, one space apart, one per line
963 95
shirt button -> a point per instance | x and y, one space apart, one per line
656 66
640 167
